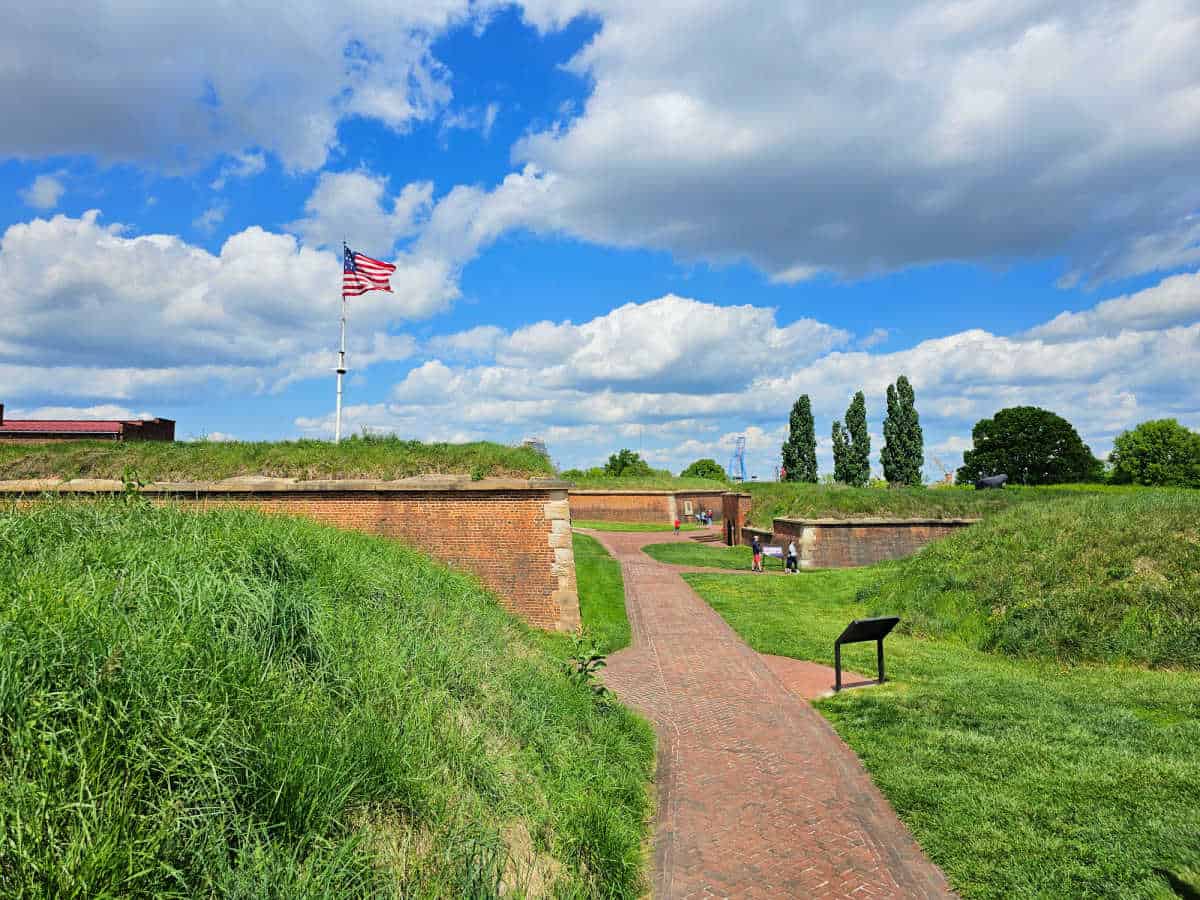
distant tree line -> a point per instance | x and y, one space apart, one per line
1032 446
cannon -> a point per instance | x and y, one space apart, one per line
991 481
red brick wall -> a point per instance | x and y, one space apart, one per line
618 506
642 506
835 545
735 510
700 500
518 542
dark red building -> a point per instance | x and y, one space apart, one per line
12 430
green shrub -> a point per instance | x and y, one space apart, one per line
1161 452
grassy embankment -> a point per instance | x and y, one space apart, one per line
1027 774
634 526
826 501
197 704
601 595
658 482
358 457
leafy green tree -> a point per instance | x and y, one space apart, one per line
704 468
858 471
903 453
1159 452
800 448
627 464
1031 446
841 454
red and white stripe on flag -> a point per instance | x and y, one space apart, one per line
361 274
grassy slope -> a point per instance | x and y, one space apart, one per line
1111 577
601 595
228 704
371 457
714 555
1019 778
651 483
775 500
634 526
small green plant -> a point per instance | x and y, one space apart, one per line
584 664
131 485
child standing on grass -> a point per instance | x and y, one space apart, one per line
756 547
792 562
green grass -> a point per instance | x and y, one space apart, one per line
634 526
1019 778
713 555
601 595
823 501
227 704
660 482
358 457
1111 577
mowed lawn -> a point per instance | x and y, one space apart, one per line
1020 778
716 556
634 526
601 595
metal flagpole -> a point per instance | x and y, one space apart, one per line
341 369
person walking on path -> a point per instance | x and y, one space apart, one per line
757 548
677 525
792 561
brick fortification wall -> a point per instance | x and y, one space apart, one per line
514 535
836 543
641 506
623 506
735 510
700 500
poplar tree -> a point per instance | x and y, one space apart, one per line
903 453
858 457
800 448
841 454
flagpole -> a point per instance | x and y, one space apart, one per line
341 370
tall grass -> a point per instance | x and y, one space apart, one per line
663 481
1113 576
812 501
228 704
358 457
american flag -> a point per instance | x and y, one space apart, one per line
361 274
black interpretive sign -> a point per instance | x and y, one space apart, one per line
859 631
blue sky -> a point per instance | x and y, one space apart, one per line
614 225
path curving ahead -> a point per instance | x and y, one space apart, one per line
758 796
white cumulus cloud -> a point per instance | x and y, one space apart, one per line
44 192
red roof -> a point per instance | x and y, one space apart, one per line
61 426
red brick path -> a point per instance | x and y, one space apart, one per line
758 797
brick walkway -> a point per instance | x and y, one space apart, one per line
758 796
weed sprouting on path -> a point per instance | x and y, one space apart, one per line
235 705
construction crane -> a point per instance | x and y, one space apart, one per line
737 462
947 474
